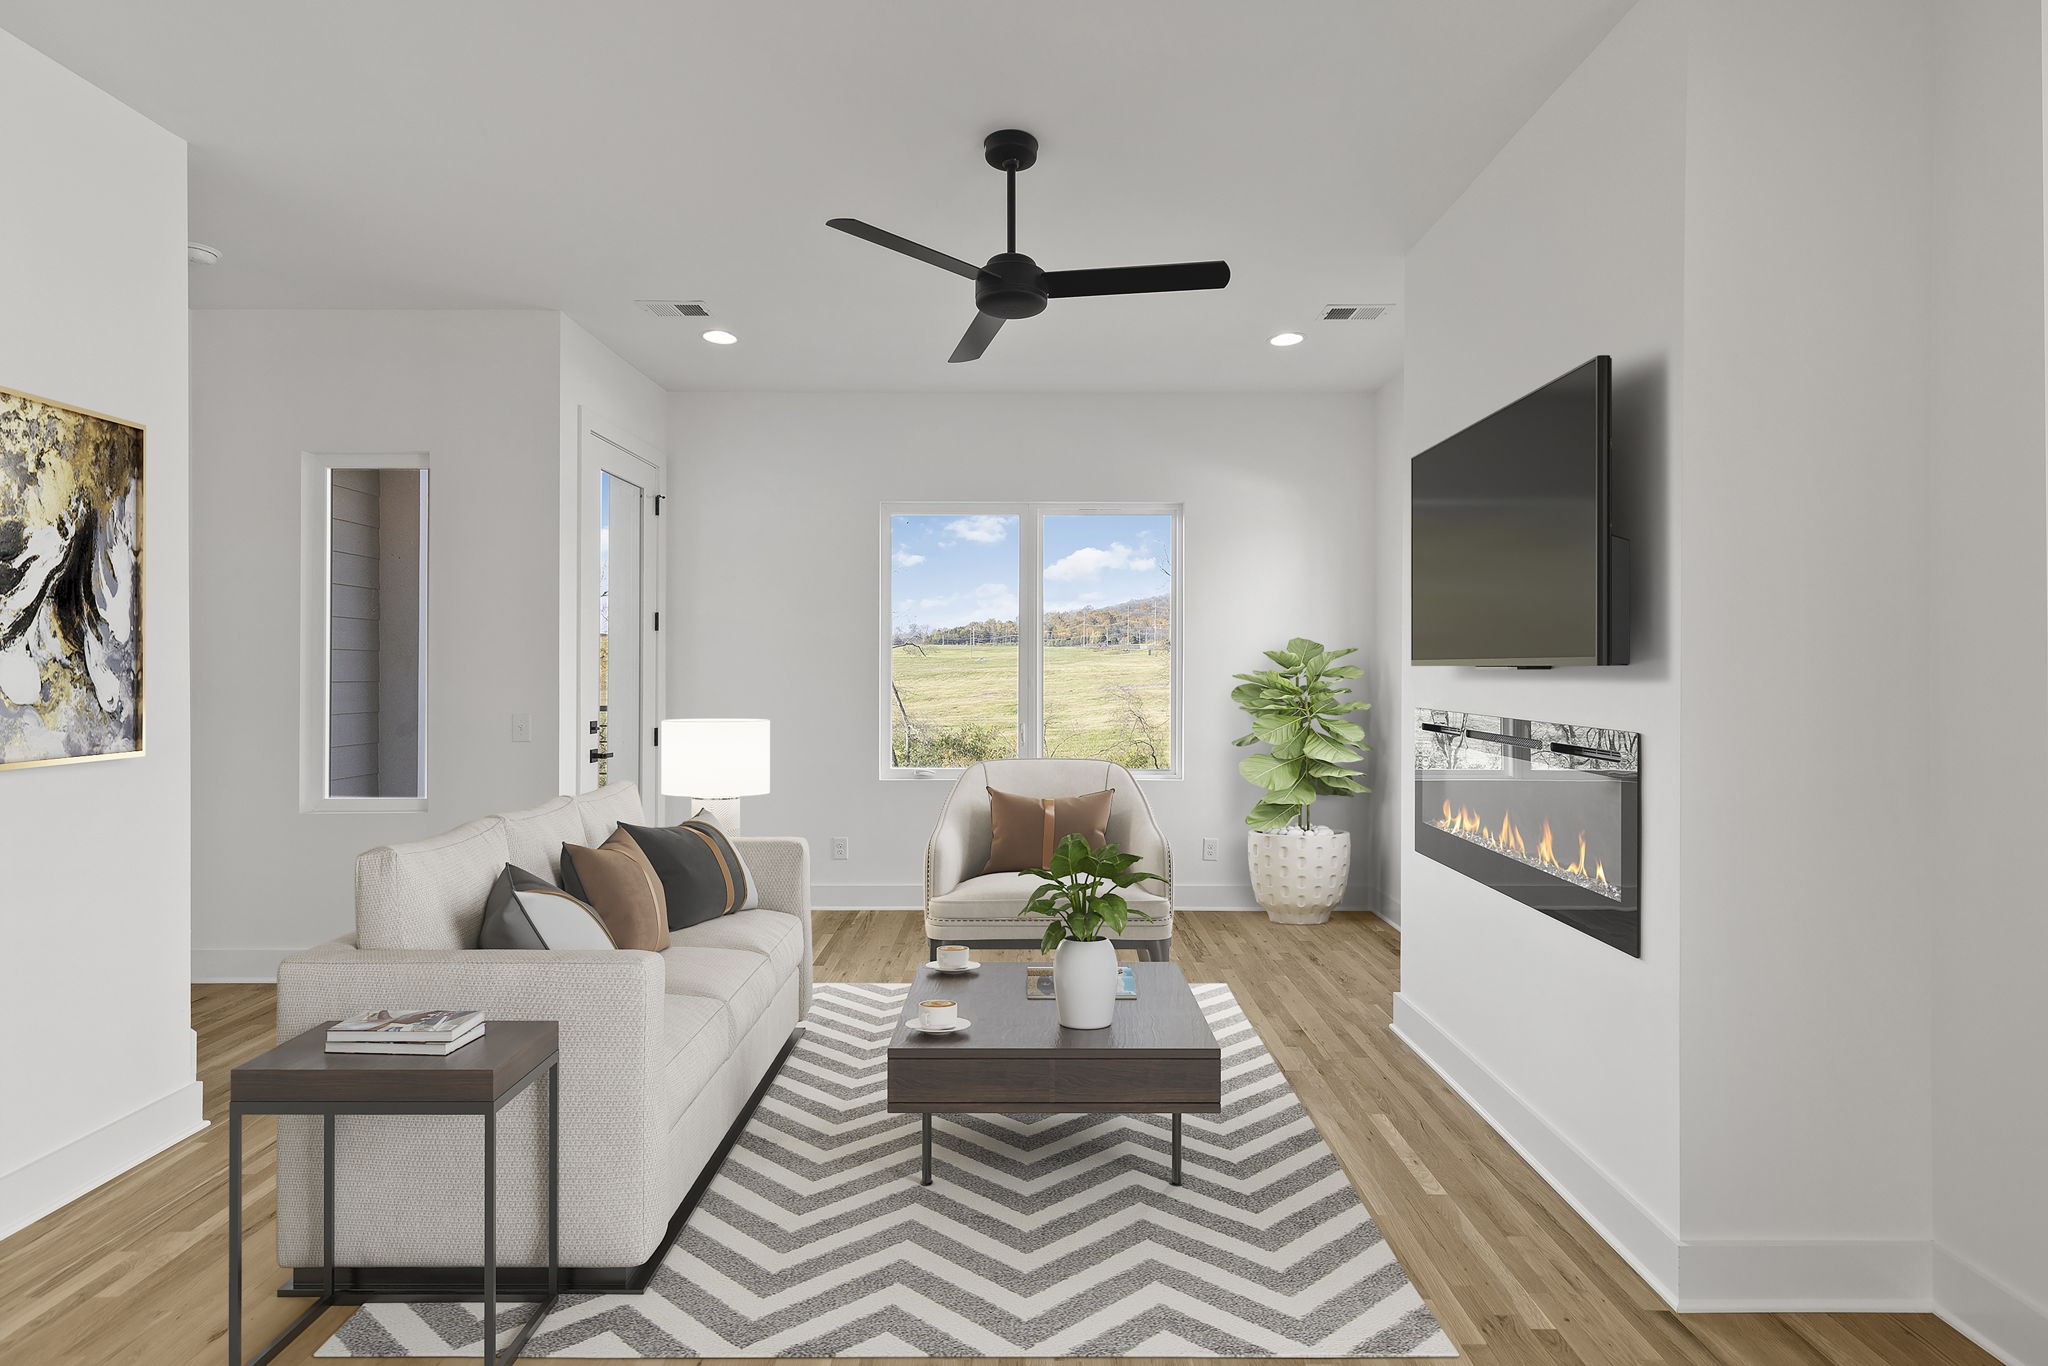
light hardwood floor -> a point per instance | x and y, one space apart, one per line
135 1271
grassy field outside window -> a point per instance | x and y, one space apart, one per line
1097 608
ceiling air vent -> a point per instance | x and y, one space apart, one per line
674 308
1353 313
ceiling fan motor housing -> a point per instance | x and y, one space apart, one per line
1009 286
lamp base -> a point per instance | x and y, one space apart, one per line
724 810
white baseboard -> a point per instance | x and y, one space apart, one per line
1694 1276
909 896
237 965
1989 1312
1631 1230
1806 1276
55 1179
1389 909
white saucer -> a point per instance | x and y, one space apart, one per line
959 1028
936 966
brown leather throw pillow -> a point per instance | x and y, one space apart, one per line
618 881
1023 831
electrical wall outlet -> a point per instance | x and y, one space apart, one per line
1212 848
842 847
522 727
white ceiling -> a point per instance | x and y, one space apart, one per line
515 153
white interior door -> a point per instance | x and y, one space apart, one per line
617 657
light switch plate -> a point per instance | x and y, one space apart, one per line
522 727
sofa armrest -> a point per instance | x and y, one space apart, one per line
781 866
609 1003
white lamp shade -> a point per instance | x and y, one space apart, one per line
714 757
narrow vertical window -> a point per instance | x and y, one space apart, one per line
1108 614
364 736
953 639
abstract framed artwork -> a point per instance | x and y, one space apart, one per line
70 584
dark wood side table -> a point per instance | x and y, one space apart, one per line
302 1078
1158 1055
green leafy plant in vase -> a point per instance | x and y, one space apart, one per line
1300 709
1082 894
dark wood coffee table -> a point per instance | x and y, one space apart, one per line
1158 1056
301 1077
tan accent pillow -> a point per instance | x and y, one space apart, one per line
1024 830
617 880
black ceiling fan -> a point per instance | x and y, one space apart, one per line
1012 285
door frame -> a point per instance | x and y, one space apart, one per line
603 445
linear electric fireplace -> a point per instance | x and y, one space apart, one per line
1544 812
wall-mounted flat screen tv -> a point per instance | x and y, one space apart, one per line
1514 561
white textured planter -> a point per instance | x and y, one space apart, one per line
1084 976
1298 875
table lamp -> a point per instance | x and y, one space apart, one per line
712 762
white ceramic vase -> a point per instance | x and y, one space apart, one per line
1298 875
1084 976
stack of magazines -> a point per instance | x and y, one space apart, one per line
419 1033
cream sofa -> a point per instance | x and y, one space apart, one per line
660 1052
963 905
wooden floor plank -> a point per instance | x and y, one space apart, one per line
136 1270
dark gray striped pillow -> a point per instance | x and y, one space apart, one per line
702 874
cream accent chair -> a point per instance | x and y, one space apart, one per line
963 905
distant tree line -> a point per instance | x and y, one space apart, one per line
1141 621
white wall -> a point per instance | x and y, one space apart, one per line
1388 725
479 391
1988 506
1803 567
777 502
95 897
1556 254
1817 1089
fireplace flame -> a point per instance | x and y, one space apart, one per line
1508 838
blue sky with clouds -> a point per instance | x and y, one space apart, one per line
947 568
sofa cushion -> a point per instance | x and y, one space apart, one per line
606 808
740 961
429 894
534 837
696 1038
777 937
1001 896
617 880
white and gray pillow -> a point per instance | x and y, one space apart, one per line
529 912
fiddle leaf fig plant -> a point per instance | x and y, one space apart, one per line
1299 709
1083 891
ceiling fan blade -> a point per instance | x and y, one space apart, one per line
979 334
867 232
1074 284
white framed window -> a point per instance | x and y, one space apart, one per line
363 538
1037 630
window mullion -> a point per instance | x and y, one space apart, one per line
1030 633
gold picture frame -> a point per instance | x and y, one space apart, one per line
72 515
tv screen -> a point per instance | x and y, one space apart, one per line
1511 552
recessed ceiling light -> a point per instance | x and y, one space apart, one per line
1286 339
199 254
720 337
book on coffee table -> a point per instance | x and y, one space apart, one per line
1039 984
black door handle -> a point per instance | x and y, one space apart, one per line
597 754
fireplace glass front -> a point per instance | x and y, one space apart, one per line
1544 812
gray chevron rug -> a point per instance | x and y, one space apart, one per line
1042 1236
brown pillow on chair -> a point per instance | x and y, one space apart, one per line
1024 830
618 881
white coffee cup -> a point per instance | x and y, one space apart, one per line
938 1014
952 955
